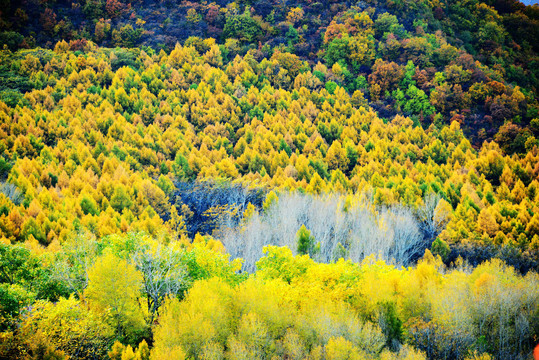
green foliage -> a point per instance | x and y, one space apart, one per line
5 167
13 299
384 23
12 39
242 27
165 184
271 200
12 97
391 324
305 241
94 8
17 265
279 262
181 168
202 262
126 36
89 206
440 247
337 50
121 199
331 87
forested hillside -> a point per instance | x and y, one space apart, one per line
269 180
417 58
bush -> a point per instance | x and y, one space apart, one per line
242 27
11 38
440 247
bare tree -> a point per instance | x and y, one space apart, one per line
164 274
207 199
12 192
72 263
392 233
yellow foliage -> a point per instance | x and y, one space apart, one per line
114 288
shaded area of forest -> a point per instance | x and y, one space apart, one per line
207 205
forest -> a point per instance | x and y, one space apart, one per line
269 179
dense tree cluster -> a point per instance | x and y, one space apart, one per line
115 295
269 179
434 61
253 152
296 308
92 292
100 145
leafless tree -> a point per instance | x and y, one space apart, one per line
164 274
214 204
72 263
12 192
432 219
392 233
